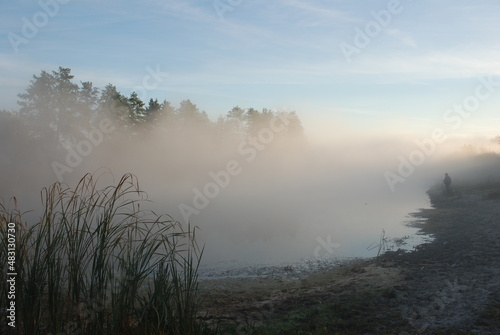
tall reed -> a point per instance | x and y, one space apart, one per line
95 263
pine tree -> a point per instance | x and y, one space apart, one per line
50 103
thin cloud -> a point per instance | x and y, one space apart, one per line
402 37
187 9
430 65
318 10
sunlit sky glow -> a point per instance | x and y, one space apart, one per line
274 54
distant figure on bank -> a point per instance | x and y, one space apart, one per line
447 183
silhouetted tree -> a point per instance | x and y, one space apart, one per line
56 108
256 120
190 116
51 104
294 126
89 95
167 112
88 100
113 104
152 112
252 121
136 109
236 120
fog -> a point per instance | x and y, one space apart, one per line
260 198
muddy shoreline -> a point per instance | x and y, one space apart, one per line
448 286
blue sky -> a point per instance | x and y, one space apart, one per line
426 56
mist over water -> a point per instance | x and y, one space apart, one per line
326 206
285 204
269 196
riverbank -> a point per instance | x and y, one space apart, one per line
451 285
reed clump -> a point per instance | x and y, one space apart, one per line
95 263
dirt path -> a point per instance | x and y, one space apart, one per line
449 286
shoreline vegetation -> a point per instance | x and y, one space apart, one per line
450 285
96 263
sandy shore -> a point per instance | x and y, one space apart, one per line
448 286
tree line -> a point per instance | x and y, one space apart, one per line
54 108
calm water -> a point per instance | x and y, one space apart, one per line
316 221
